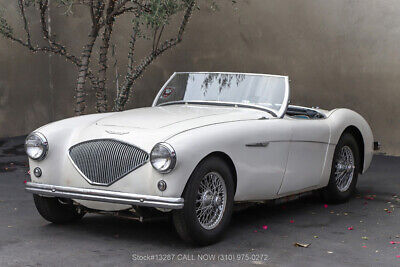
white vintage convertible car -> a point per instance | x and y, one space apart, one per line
209 140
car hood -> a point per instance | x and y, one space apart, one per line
176 116
144 127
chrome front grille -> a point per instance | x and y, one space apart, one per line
105 161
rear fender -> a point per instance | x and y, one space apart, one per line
340 119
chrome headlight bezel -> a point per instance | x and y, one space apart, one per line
170 157
41 142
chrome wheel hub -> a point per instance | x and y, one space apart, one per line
207 198
344 169
211 200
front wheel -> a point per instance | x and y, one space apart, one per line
344 173
208 203
56 211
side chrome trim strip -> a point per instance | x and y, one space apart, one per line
266 143
104 196
261 144
310 141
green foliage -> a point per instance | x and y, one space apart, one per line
161 11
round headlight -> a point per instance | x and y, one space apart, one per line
163 157
36 146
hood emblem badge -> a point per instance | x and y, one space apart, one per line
116 132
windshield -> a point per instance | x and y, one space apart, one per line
266 91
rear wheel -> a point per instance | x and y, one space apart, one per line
208 203
57 211
344 173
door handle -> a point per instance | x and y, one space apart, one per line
260 144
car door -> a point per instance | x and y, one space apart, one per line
307 154
262 158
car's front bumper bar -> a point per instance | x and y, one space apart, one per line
104 196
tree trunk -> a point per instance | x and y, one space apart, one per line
123 92
101 94
80 94
123 95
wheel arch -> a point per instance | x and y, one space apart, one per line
223 156
345 120
356 133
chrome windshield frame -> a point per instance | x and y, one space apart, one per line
279 114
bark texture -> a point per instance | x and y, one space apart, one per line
101 92
80 93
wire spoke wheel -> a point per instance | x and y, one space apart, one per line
344 170
211 200
209 195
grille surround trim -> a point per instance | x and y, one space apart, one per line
105 156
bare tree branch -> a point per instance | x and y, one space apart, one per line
25 21
159 36
123 93
154 39
127 10
56 47
132 42
91 8
142 6
117 8
53 47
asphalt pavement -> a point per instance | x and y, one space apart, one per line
362 232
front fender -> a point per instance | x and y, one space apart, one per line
191 147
